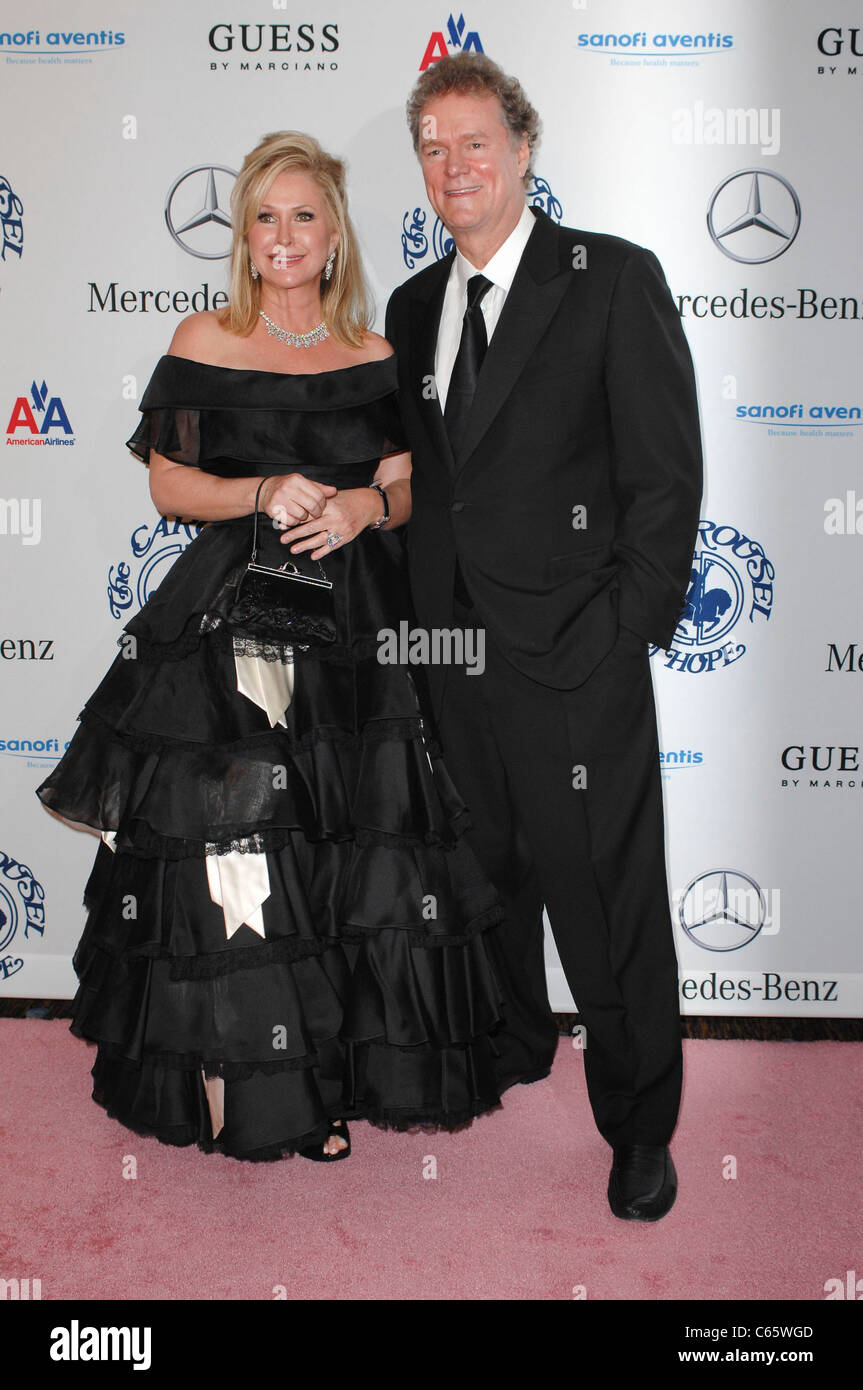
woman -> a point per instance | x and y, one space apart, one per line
284 929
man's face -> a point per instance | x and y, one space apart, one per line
472 170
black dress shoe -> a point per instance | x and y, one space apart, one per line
643 1183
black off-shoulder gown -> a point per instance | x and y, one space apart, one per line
367 990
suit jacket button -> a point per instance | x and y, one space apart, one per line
457 507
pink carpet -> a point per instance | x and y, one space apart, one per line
517 1210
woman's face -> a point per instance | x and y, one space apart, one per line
292 236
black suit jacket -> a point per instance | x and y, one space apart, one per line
586 398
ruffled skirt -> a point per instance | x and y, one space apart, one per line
282 898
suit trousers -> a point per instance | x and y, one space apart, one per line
565 797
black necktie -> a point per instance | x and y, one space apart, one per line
462 387
471 351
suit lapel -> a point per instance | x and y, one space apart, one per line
426 313
533 298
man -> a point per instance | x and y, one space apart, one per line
549 399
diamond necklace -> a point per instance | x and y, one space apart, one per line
303 340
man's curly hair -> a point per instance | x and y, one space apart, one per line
476 74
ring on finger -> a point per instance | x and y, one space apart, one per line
333 539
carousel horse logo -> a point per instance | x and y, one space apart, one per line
730 582
22 905
154 549
11 223
415 240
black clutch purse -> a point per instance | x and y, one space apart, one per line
288 602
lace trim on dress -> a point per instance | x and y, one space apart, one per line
144 843
243 1070
212 627
289 950
428 1120
404 729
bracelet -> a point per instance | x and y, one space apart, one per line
376 525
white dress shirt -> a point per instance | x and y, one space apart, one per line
501 271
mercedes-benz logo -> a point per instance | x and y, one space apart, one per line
753 216
722 910
195 211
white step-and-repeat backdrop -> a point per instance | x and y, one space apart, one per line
723 134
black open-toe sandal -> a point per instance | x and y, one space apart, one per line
316 1151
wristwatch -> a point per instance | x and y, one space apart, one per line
376 525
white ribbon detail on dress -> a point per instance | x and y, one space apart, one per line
268 684
239 884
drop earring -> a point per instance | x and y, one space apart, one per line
255 272
328 268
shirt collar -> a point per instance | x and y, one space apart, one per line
504 263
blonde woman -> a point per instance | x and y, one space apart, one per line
285 930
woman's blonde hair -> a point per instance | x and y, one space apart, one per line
344 297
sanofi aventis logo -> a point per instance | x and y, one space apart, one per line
674 758
802 417
60 41
656 45
48 749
